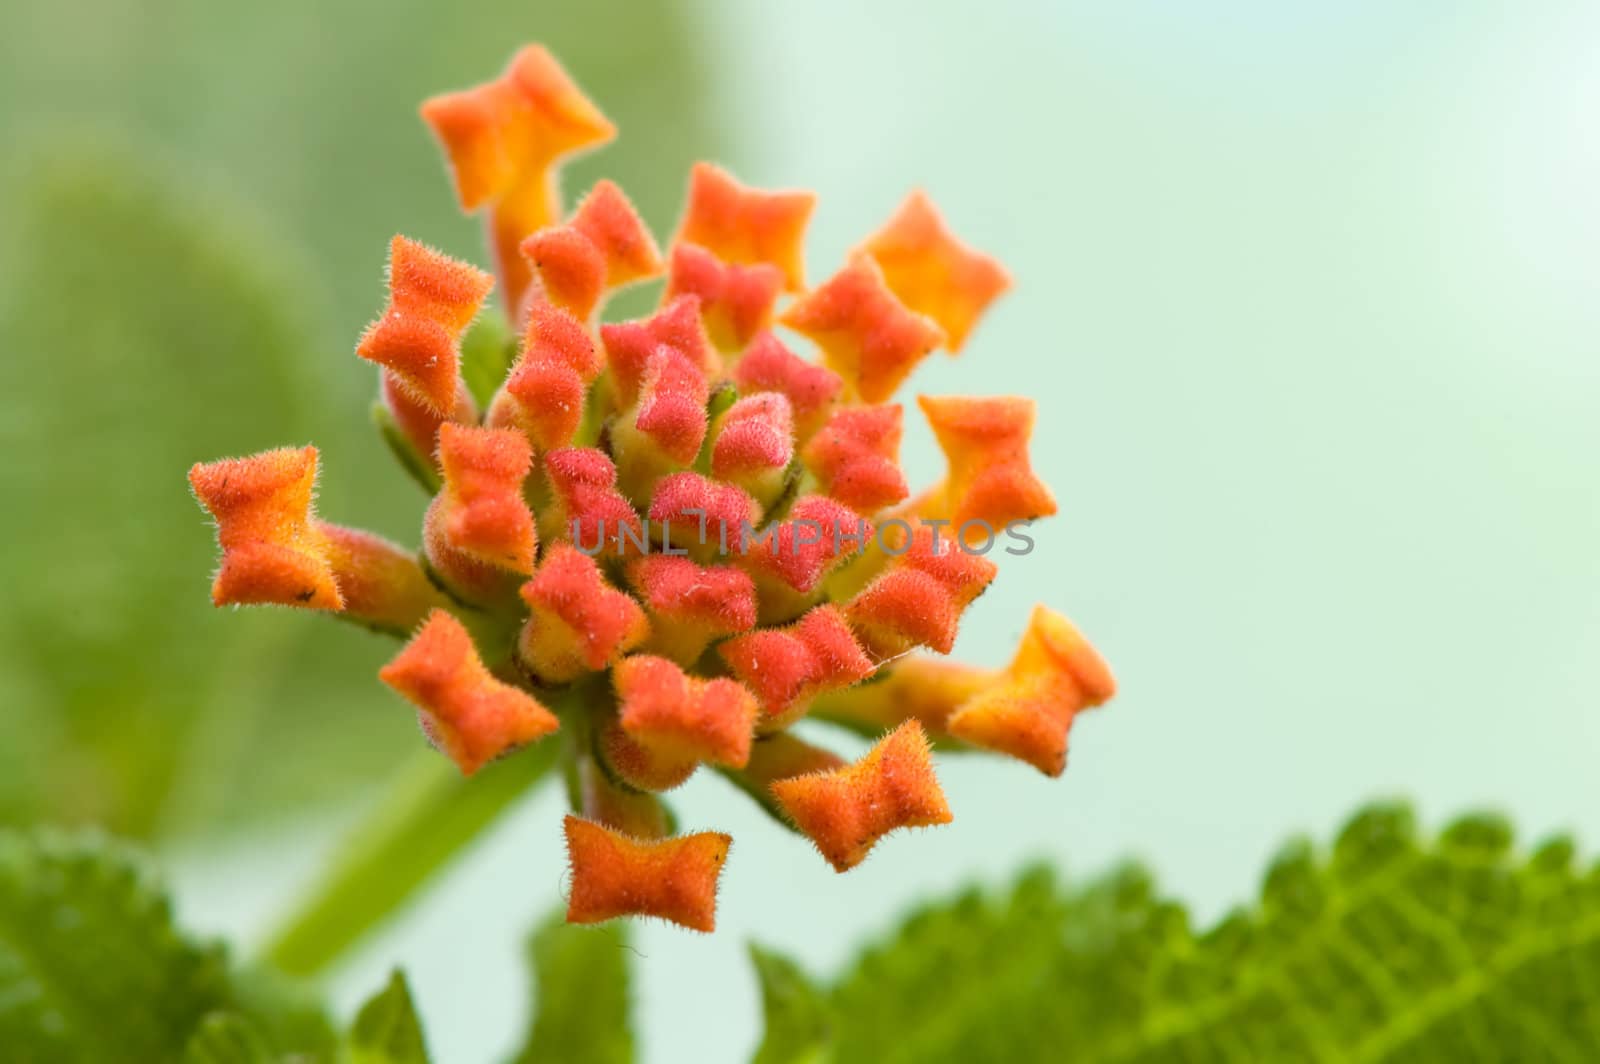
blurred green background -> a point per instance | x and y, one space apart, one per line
1308 294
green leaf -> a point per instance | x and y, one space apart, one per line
1387 949
387 1030
228 1038
429 814
798 1027
91 967
581 982
487 352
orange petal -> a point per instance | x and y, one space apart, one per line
570 269
468 713
630 344
614 875
579 622
812 390
846 811
736 302
743 225
684 717
856 457
786 667
432 300
672 406
867 336
932 272
272 551
480 511
1055 675
609 220
991 478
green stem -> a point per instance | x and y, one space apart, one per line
427 817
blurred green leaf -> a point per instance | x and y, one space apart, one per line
91 967
1389 949
581 983
487 352
796 1012
387 1030
228 1038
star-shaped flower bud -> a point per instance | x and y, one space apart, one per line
932 272
919 601
991 478
504 140
846 811
920 687
813 391
544 393
856 457
579 622
736 302
587 509
631 344
786 667
754 444
417 340
609 220
615 875
683 717
272 550
603 247
663 431
707 518
867 335
691 604
471 716
743 225
1029 712
479 528
815 536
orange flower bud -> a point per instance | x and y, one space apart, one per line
920 600
991 478
610 222
743 225
1055 675
736 302
544 393
417 340
580 623
856 457
614 875
504 139
932 272
672 406
637 765
271 550
569 270
679 716
470 715
754 444
812 390
587 509
867 336
478 527
815 536
630 345
846 811
705 515
690 604
786 667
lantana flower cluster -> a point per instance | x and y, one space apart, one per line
664 542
